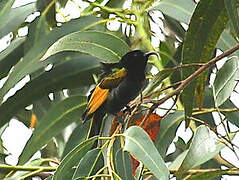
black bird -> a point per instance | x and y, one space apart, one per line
122 82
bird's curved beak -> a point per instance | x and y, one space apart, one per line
152 53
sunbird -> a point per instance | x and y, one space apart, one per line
120 84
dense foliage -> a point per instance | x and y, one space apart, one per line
60 56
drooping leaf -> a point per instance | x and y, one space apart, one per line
180 10
200 42
175 26
99 44
76 72
11 55
11 18
77 136
204 147
58 117
210 175
36 30
30 62
225 81
92 162
178 161
233 15
167 131
139 144
207 103
67 167
43 6
123 165
231 116
226 41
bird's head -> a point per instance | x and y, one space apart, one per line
136 59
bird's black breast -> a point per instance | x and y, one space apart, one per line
120 96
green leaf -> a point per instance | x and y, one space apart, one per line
208 102
67 167
209 175
175 26
204 147
43 6
5 6
59 116
231 116
92 162
180 10
77 136
167 131
178 161
11 18
99 44
226 41
64 75
233 14
30 62
36 30
11 55
225 81
123 165
138 143
200 42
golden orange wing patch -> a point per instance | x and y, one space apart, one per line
114 79
97 98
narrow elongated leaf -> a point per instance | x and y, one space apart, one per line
167 131
225 81
180 10
200 42
89 164
203 148
138 143
214 175
233 14
99 44
77 136
11 55
231 116
123 165
67 167
5 6
178 161
30 62
42 6
226 41
59 116
175 26
36 30
14 17
74 73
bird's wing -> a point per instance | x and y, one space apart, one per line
113 80
97 98
101 92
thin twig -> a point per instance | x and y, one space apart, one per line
190 79
194 75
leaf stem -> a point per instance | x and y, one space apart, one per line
231 171
27 168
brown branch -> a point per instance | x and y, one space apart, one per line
188 80
193 76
